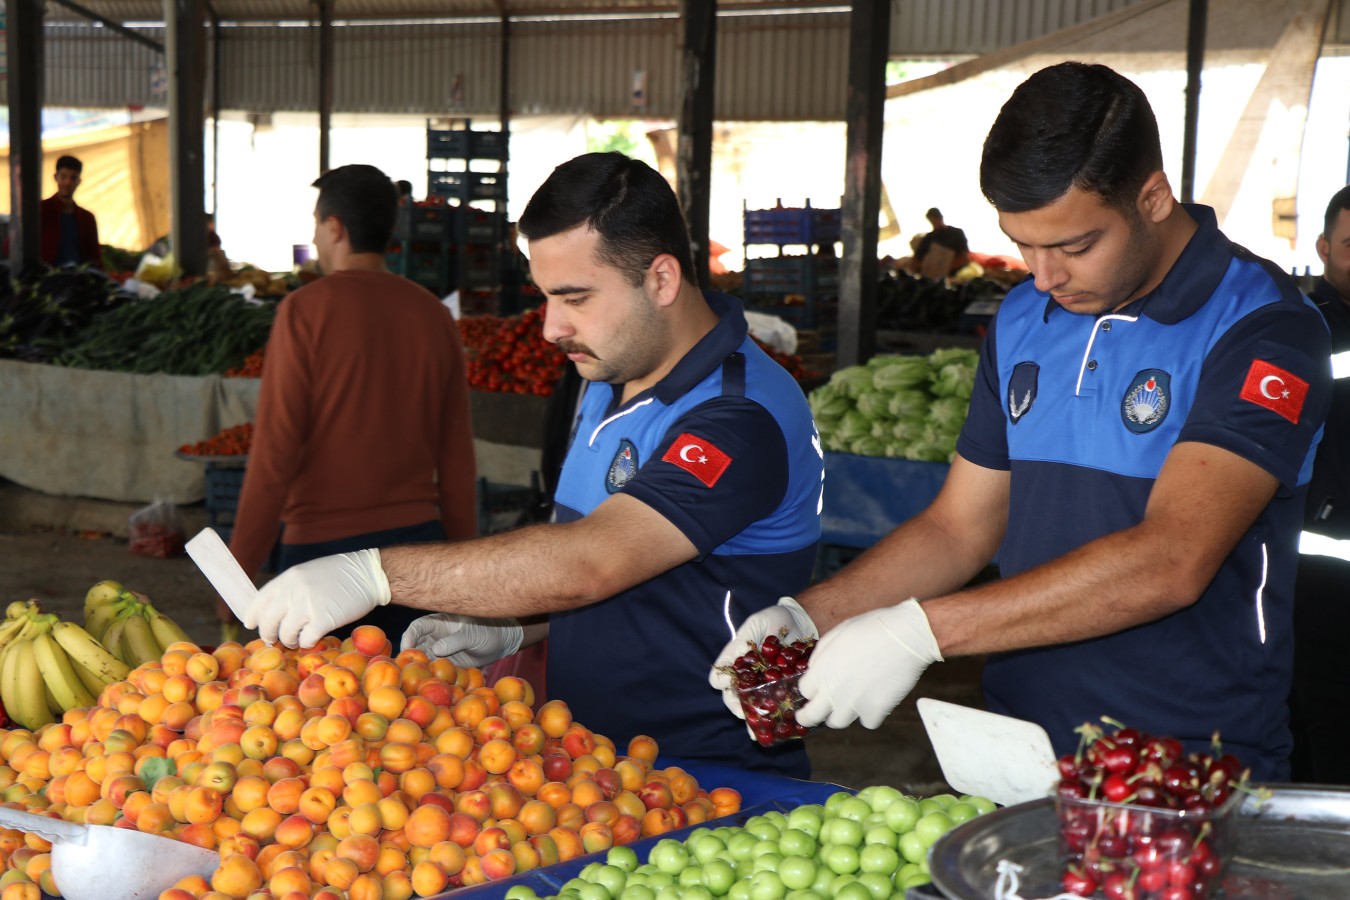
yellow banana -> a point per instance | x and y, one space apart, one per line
139 642
93 683
97 622
10 630
85 651
101 593
26 702
166 630
65 685
18 610
112 638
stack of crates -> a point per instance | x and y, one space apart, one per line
423 246
466 170
224 484
802 288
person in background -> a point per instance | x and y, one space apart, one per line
217 263
362 436
69 231
1137 451
953 251
1320 703
405 197
689 499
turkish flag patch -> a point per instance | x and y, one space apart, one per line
699 457
1279 391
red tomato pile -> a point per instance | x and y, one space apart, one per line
251 368
510 355
233 441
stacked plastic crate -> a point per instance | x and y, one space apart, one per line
801 287
423 246
466 169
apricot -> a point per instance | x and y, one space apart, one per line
237 876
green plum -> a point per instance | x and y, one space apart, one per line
718 877
842 859
797 843
879 858
797 872
902 814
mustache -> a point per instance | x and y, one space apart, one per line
575 347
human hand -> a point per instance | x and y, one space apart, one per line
866 665
787 614
464 640
308 601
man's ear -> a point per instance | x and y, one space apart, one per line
1323 249
1155 198
337 232
665 278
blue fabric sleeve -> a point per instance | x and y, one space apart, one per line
984 436
751 487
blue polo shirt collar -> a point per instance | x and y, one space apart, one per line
1192 279
709 353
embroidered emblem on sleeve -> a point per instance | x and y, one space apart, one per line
1146 400
699 457
1279 391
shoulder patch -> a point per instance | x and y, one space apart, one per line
1146 401
699 457
1279 391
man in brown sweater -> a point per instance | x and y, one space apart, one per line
362 436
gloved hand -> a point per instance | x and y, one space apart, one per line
464 640
308 601
866 665
787 614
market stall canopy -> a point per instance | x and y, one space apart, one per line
1259 64
278 10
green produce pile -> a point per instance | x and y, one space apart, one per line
868 846
197 330
49 307
909 407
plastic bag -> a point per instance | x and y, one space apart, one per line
155 530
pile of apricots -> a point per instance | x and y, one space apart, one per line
341 771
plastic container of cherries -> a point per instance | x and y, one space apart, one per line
766 678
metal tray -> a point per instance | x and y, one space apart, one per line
1294 846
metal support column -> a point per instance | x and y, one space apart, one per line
1195 66
504 105
185 41
869 39
216 91
693 166
325 80
23 47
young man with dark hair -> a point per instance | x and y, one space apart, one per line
689 499
1137 452
948 238
69 231
1319 704
362 436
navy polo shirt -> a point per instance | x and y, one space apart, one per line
725 448
1083 411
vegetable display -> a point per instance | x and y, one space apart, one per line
198 330
509 354
50 308
233 441
909 407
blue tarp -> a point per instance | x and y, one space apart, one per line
867 496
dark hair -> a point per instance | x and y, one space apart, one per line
1339 201
933 213
625 200
404 187
1070 125
364 200
69 162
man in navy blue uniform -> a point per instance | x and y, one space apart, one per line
689 499
1137 452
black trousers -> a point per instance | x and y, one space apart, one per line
392 618
1319 706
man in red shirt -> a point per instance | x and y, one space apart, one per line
69 231
362 436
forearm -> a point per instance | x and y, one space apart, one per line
923 557
1096 590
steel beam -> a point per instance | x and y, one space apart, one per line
693 158
1195 66
23 47
185 40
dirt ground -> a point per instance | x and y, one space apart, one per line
57 568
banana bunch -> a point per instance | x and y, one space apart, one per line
48 665
127 624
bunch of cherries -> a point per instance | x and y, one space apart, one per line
1170 846
766 680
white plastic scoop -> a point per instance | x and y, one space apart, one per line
1005 759
99 862
220 567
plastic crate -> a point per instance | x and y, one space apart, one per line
792 225
806 275
430 223
477 226
462 143
224 484
467 186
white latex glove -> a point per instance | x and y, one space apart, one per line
464 640
308 601
866 665
787 614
